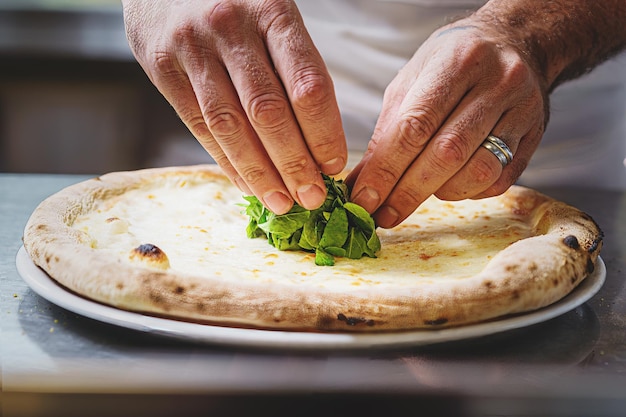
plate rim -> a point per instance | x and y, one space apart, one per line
46 287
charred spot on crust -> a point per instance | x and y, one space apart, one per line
149 250
151 254
354 321
179 290
571 242
436 322
488 284
595 244
590 266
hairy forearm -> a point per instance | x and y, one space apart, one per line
562 39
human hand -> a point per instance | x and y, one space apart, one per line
465 83
246 79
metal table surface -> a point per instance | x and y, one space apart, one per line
55 362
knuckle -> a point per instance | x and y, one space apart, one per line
293 166
194 121
252 175
473 52
268 110
165 64
450 151
406 198
415 129
517 74
219 157
324 146
185 33
311 92
278 14
223 121
385 174
197 125
224 16
482 172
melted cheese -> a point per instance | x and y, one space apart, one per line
201 229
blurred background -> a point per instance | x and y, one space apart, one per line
72 97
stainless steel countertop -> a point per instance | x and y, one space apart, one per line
55 362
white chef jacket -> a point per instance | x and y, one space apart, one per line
365 42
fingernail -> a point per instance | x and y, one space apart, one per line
311 196
334 166
387 216
367 198
277 202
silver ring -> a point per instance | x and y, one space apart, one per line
499 149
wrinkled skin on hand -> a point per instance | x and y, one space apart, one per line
463 83
246 79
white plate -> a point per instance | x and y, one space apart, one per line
46 287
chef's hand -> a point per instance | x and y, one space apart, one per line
463 84
246 79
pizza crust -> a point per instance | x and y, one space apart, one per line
532 272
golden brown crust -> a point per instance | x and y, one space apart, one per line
531 273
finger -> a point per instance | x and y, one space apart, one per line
201 92
196 85
173 82
427 103
310 91
231 135
392 100
269 114
445 155
483 169
271 117
510 174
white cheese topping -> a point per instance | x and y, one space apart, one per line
201 229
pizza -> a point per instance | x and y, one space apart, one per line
171 242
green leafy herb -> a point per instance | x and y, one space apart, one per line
338 228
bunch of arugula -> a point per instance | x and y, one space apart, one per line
337 228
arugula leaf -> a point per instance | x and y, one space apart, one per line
335 251
322 258
287 224
255 211
356 245
360 217
338 228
